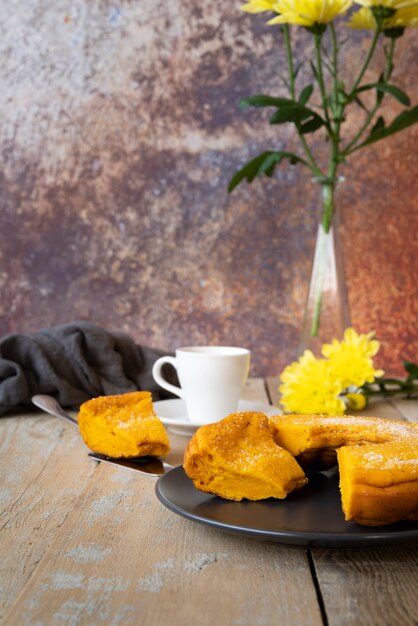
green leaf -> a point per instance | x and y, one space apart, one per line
394 91
360 103
397 93
262 164
297 69
412 369
297 113
380 94
402 121
311 125
315 71
380 124
288 110
263 100
305 94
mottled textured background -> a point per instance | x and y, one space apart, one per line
119 132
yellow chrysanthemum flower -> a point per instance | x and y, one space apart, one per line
389 4
362 19
308 12
403 18
351 359
258 6
309 386
356 401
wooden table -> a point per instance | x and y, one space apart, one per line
87 544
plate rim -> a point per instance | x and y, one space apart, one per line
305 539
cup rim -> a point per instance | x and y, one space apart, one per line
213 351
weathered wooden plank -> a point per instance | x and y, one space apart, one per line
46 464
26 443
121 557
255 390
407 408
369 587
272 384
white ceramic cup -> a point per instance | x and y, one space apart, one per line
211 379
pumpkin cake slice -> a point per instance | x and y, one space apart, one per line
123 426
379 483
313 439
237 458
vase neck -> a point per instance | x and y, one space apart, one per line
327 192
327 189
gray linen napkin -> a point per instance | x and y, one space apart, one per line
73 362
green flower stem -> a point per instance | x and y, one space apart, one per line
316 316
319 283
351 147
333 129
368 58
327 205
337 108
312 161
317 306
288 46
321 82
399 388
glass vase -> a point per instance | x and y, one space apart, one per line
327 312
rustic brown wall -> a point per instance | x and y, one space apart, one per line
119 132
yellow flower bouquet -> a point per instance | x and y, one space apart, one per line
322 104
345 378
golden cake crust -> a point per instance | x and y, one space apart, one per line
237 458
123 426
314 439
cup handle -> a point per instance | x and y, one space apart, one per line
156 373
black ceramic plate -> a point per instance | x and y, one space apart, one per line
311 516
